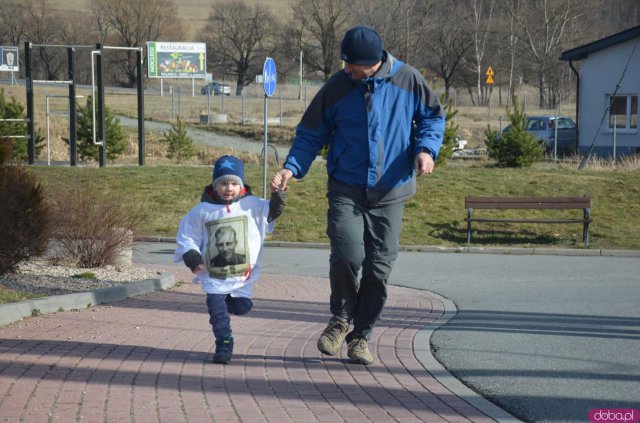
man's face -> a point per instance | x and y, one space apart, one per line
358 72
226 244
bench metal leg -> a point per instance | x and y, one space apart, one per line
469 213
585 227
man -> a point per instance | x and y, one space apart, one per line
226 243
383 125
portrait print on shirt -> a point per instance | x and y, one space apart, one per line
228 247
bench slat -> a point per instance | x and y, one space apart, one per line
557 203
529 220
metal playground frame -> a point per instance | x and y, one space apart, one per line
97 85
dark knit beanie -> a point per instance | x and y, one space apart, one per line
228 168
361 45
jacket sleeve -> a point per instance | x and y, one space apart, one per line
312 133
276 204
192 259
189 236
429 118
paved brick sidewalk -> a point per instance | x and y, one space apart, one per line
148 359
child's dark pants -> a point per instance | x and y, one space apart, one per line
220 307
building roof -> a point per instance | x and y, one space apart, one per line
583 51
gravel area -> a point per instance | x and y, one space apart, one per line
40 277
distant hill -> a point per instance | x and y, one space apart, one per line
194 13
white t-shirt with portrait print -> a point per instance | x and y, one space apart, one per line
247 218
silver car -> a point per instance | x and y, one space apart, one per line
216 88
544 129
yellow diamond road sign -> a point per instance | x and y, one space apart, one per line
489 76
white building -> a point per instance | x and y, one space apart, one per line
607 114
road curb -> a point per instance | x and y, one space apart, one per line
422 351
446 249
12 312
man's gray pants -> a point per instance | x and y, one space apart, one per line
363 239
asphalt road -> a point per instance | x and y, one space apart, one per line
547 338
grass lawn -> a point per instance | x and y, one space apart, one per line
11 296
435 216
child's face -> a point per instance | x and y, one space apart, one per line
228 190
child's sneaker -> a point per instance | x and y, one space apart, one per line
224 350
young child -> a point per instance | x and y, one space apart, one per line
220 240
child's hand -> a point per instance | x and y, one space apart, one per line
199 268
279 180
275 182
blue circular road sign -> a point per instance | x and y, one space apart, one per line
269 76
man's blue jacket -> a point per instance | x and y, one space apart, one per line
374 129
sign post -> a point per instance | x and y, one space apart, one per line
490 84
269 80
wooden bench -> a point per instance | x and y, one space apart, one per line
535 203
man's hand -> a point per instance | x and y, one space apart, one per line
423 163
279 180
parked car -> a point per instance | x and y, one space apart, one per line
544 129
216 88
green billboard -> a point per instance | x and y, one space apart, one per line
176 60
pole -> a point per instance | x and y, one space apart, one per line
300 90
264 151
73 130
242 104
555 140
172 91
305 98
101 112
280 93
140 84
614 138
208 106
31 145
48 132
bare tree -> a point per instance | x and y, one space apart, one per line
477 18
290 52
448 46
399 22
239 38
541 29
13 23
131 23
44 27
324 23
512 48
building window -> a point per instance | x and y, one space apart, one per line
624 112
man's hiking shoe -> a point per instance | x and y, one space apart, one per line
224 350
333 336
358 351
